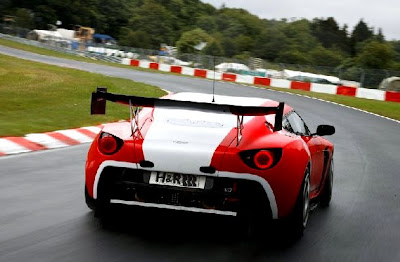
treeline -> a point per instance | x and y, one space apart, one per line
228 32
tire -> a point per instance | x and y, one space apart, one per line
297 222
253 226
103 209
90 202
326 194
246 227
254 215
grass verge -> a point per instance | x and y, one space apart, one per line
39 97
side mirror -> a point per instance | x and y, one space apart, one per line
325 130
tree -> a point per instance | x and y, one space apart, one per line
329 34
299 36
155 20
141 39
244 43
346 44
125 37
325 57
396 49
111 15
326 31
375 55
190 39
228 46
270 43
24 18
294 56
241 21
44 15
360 34
207 23
244 57
379 36
5 7
214 48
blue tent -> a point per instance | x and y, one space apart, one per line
102 37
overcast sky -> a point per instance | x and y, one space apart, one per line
383 14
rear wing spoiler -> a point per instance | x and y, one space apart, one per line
99 98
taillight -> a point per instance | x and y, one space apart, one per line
109 144
261 158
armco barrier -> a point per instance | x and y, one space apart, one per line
164 67
324 88
176 69
300 86
370 94
392 96
262 81
346 91
244 79
153 66
281 83
134 62
229 77
200 73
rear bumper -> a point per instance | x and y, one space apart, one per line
123 183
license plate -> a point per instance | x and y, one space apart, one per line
178 180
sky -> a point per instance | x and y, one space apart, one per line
383 14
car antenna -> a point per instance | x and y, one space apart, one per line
213 99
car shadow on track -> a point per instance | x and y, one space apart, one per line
172 228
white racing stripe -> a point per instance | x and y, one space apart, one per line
182 141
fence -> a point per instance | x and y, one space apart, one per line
59 45
368 78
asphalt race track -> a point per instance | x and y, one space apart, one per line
43 216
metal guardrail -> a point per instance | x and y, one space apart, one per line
55 46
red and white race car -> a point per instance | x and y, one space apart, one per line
237 156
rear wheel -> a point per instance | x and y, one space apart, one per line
305 203
326 194
253 226
254 213
297 222
100 207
